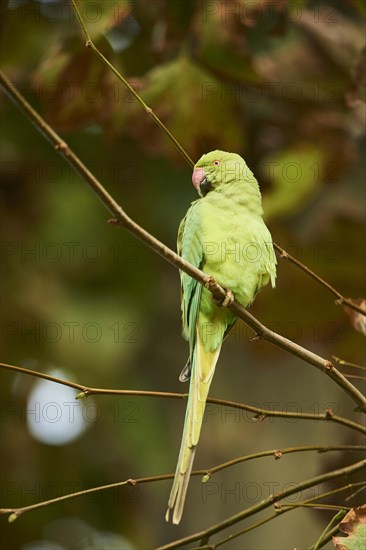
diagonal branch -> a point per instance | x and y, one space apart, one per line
204 535
341 300
123 220
258 413
89 43
343 363
282 509
14 513
329 531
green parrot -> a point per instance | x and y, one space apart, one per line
222 233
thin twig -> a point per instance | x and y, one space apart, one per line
315 506
343 363
90 44
265 503
16 512
258 413
340 299
329 535
329 530
277 454
353 495
332 492
242 531
123 220
279 512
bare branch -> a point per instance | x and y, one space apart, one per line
341 300
90 44
279 511
258 413
278 453
122 219
14 513
263 504
343 363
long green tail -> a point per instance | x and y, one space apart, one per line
203 368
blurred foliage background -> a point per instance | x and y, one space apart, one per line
282 83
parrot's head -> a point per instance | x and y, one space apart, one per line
217 169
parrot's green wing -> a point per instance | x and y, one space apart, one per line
201 363
190 247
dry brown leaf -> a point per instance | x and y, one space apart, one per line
354 525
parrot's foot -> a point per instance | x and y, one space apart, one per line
229 298
212 285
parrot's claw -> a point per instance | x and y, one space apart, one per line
212 285
229 298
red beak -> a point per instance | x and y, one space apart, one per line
197 176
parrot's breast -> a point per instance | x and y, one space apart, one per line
237 247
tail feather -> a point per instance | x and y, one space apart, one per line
203 368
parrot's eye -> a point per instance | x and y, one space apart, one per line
216 163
